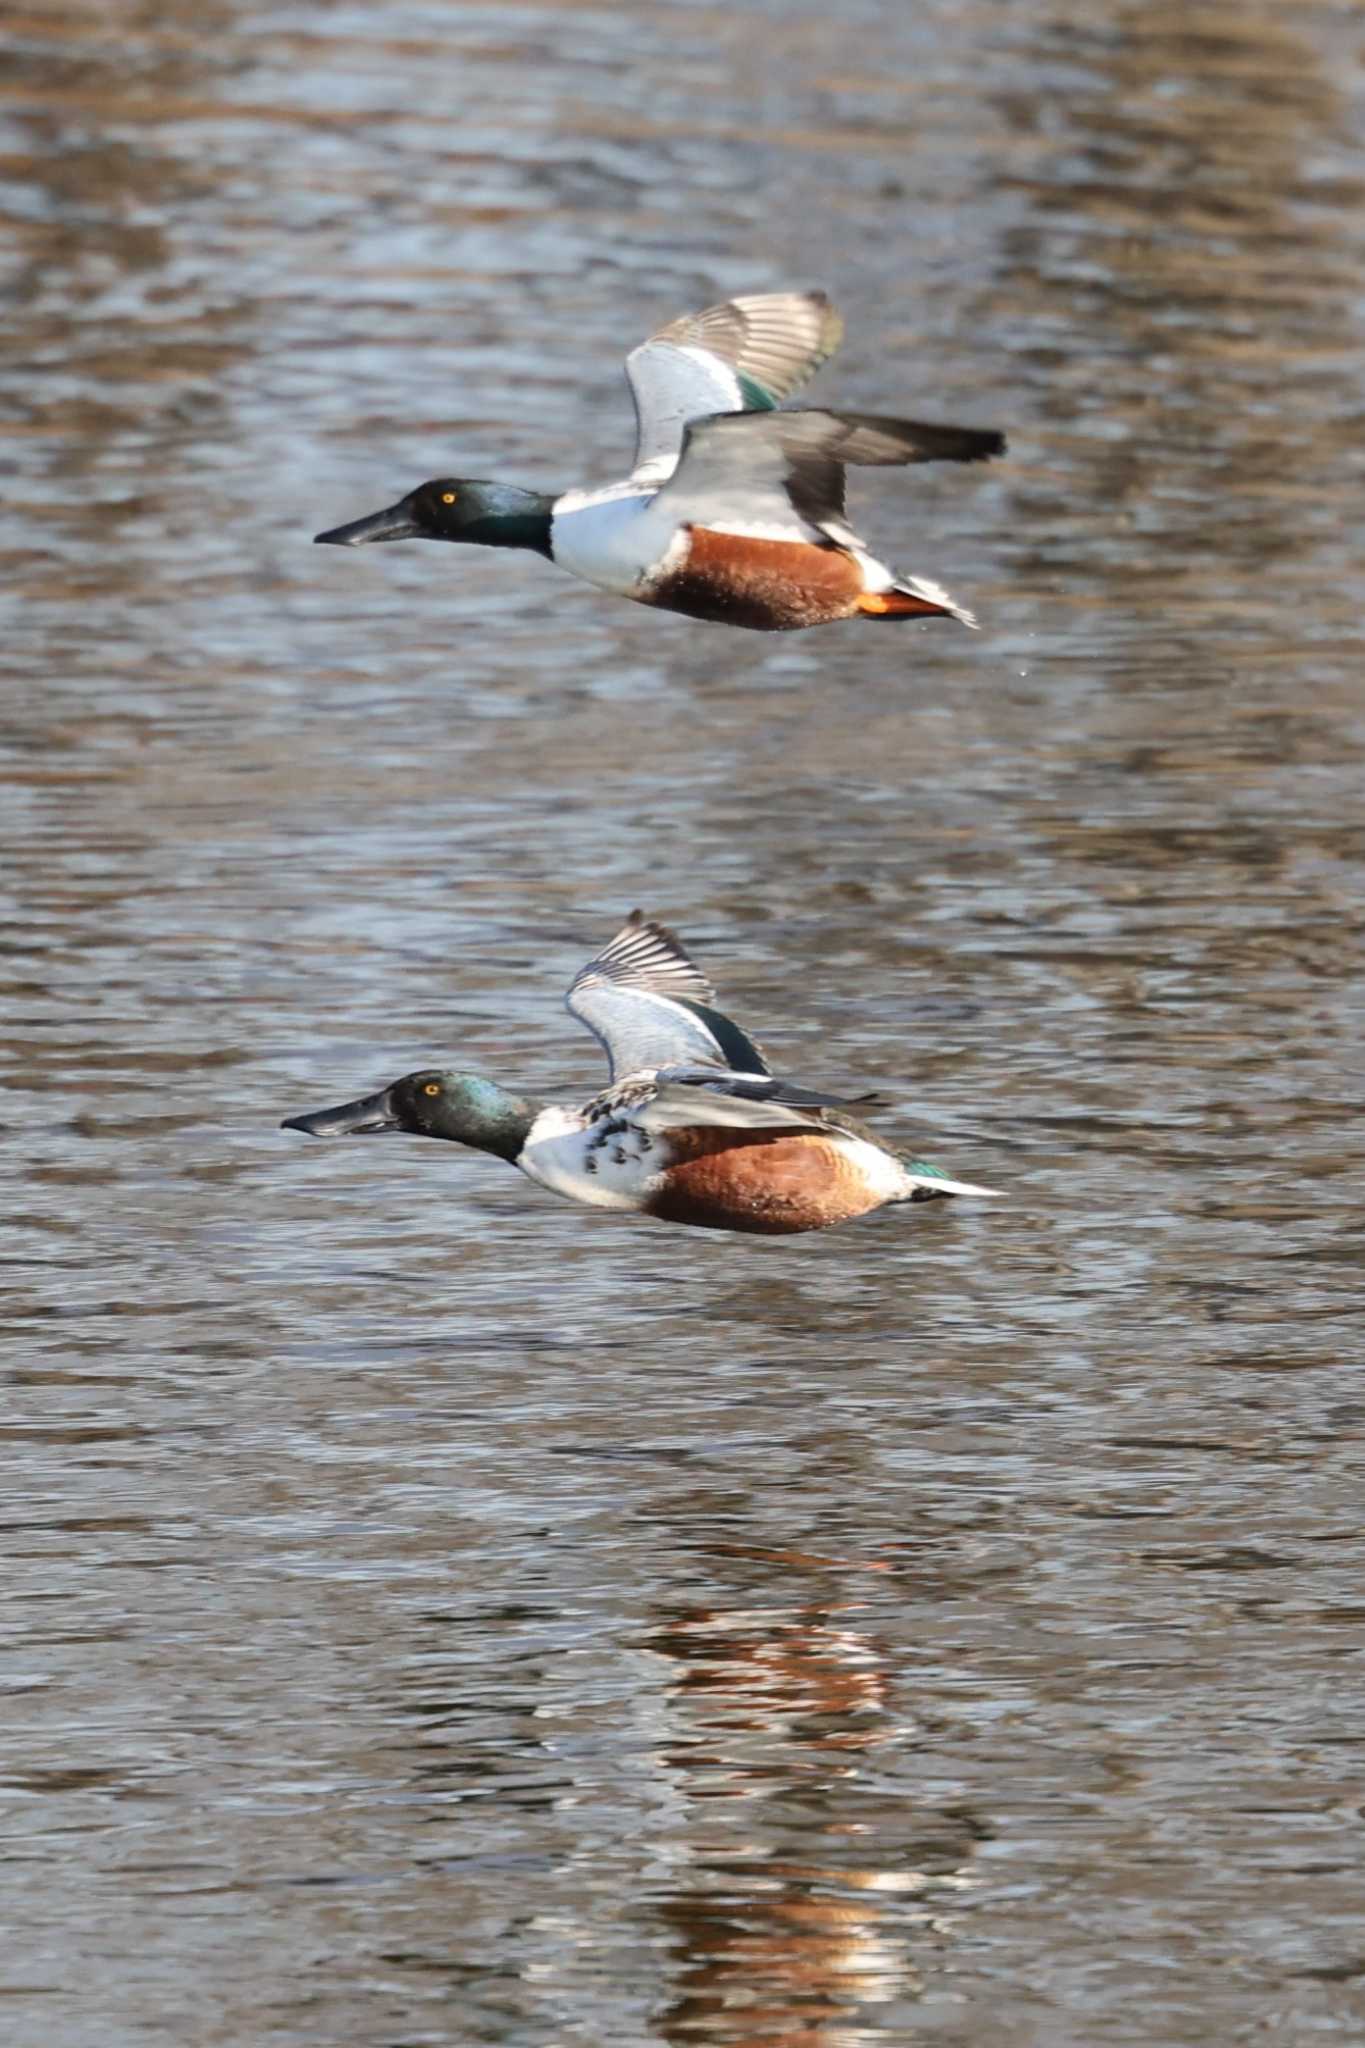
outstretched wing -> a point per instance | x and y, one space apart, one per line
750 1102
767 465
744 1102
744 356
649 1006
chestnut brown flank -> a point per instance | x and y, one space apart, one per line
773 585
770 1183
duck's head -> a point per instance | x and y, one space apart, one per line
456 508
462 1107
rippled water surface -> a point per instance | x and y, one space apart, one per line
442 1616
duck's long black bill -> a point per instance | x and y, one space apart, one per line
349 1119
395 522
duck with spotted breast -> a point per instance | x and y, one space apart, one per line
693 1128
734 510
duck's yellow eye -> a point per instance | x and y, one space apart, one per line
447 497
431 1087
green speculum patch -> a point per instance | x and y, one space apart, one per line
756 399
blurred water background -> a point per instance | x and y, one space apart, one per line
440 1616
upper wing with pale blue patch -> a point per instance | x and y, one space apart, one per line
744 356
650 1006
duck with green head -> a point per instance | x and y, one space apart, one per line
734 510
692 1128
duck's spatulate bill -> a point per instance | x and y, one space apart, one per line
366 1114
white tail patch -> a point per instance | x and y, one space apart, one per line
934 593
926 1184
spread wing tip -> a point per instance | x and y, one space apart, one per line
646 954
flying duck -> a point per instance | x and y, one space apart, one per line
692 1128
734 510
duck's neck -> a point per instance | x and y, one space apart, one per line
505 1134
512 519
480 1114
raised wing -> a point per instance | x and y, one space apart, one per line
733 464
746 355
649 1006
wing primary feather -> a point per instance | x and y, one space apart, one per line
647 955
864 439
650 1006
775 341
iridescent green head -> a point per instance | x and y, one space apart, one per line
461 1107
456 508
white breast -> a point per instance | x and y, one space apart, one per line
603 1168
614 538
